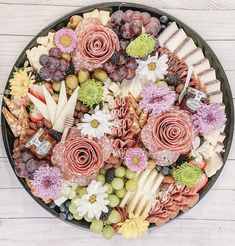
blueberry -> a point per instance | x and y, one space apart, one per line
69 216
52 205
158 168
164 19
163 27
165 171
67 203
62 216
62 208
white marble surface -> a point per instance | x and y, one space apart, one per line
24 222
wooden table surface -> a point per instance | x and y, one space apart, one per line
24 222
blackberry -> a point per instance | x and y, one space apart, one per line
115 59
56 135
109 175
37 77
70 71
182 159
117 31
172 79
104 216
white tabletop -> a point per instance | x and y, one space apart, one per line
24 222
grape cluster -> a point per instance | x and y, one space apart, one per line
131 23
53 66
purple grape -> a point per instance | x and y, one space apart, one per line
21 170
63 65
152 28
146 18
118 18
125 31
135 27
43 59
132 63
123 44
53 63
57 76
136 16
109 67
31 165
128 15
55 52
26 155
119 75
130 74
44 73
122 60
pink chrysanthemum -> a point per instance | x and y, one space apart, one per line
157 100
66 40
209 118
47 182
135 159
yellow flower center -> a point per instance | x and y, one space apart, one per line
92 198
135 160
152 66
95 123
66 40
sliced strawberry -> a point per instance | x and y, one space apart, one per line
36 90
201 164
36 116
202 182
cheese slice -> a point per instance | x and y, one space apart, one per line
42 107
207 76
68 111
194 57
62 100
167 33
175 40
201 66
213 85
213 165
185 48
51 104
215 97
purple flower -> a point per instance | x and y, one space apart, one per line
157 100
47 182
66 40
135 159
209 118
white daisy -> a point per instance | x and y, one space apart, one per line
96 125
94 202
153 68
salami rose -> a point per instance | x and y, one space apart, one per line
171 131
96 44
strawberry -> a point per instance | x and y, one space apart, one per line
201 164
202 182
36 116
36 90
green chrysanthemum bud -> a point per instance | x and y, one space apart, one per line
141 46
91 92
187 174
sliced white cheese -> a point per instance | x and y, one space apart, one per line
51 104
67 111
206 76
201 66
167 33
213 165
185 48
212 86
62 100
104 17
194 57
215 97
42 107
60 200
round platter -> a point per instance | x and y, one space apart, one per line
8 137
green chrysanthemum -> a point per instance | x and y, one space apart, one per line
141 46
91 92
187 174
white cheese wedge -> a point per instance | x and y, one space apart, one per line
215 137
194 57
104 17
212 86
42 107
201 66
216 97
219 147
207 76
213 165
175 40
185 48
165 35
62 100
68 111
60 200
51 104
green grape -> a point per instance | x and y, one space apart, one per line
78 189
107 222
86 218
102 171
108 232
73 208
130 174
120 172
100 178
110 188
113 200
121 193
131 185
96 225
82 192
77 216
117 183
74 199
114 216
